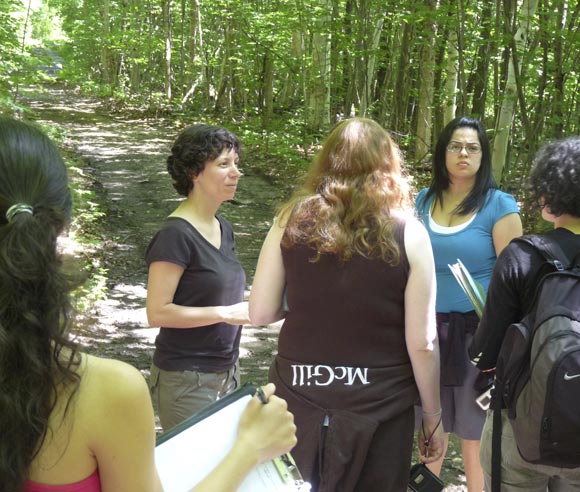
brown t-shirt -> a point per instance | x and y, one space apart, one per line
211 277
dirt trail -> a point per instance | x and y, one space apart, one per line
126 159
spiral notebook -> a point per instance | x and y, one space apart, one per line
185 454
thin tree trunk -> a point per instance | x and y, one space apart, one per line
481 72
558 101
370 77
105 52
507 110
267 90
23 43
450 94
318 97
426 78
135 29
224 83
401 88
167 35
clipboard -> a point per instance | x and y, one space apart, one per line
185 454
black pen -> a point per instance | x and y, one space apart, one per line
261 395
285 464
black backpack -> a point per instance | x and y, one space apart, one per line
538 369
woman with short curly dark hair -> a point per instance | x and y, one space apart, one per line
555 185
70 421
195 146
555 177
196 283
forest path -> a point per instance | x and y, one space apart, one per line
125 158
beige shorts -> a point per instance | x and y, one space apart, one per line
178 395
518 475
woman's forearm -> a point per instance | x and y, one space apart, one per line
175 316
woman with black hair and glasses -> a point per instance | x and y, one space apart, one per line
469 219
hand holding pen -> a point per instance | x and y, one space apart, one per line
267 426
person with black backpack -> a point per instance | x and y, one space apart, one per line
530 333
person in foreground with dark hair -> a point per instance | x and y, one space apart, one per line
196 284
469 219
68 420
555 186
358 345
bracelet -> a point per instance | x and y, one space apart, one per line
434 414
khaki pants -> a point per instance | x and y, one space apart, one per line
517 475
178 395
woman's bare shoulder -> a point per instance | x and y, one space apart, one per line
112 380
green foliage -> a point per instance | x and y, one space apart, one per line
9 43
85 231
293 67
84 235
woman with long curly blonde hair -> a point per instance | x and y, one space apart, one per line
358 345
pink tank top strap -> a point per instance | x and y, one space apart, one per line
90 484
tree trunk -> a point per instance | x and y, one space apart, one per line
481 72
224 83
105 52
507 110
267 90
290 86
375 37
167 35
135 30
449 98
402 83
558 100
318 96
426 78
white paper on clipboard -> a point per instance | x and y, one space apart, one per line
197 446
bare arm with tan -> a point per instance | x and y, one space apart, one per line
161 311
118 415
421 335
506 229
269 280
122 433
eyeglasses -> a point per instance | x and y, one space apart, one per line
456 147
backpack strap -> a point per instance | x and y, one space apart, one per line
496 431
575 263
551 251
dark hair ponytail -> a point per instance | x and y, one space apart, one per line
37 361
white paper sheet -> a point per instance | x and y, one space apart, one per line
185 459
